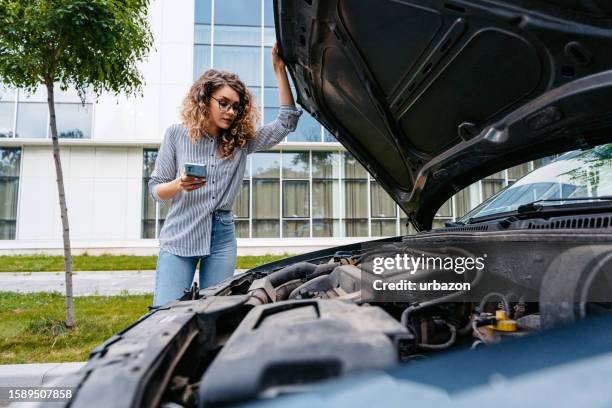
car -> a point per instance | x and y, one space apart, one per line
508 305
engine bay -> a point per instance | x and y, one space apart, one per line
287 326
314 320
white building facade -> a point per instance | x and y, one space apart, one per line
306 193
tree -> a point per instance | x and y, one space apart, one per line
85 44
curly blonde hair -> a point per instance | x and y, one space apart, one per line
194 111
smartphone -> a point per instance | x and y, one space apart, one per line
195 170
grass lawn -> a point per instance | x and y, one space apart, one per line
47 263
32 328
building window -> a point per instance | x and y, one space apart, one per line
202 38
328 137
7 113
32 120
10 163
543 161
355 189
271 100
237 35
268 13
308 130
463 202
26 115
266 195
492 184
203 11
269 78
237 46
383 211
8 100
201 60
516 172
446 210
153 213
296 194
238 12
269 36
73 120
241 205
241 60
325 194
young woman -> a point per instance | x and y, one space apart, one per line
218 129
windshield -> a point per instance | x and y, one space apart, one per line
577 174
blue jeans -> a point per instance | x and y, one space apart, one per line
175 273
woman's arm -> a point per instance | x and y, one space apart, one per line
286 121
163 184
164 171
166 191
284 91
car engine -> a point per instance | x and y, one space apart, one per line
287 326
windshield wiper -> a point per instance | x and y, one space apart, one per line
533 206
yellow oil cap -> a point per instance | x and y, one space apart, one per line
503 323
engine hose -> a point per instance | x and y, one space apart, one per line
310 283
477 332
448 298
301 270
296 271
503 298
324 269
283 291
441 346
467 328
293 274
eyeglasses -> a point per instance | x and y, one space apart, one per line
225 106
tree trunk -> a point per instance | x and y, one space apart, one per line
62 203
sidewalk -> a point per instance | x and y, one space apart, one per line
85 283
34 375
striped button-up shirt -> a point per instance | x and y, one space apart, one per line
188 224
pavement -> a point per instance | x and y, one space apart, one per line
19 376
34 375
84 283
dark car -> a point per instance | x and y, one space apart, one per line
507 306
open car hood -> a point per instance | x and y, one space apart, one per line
431 96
